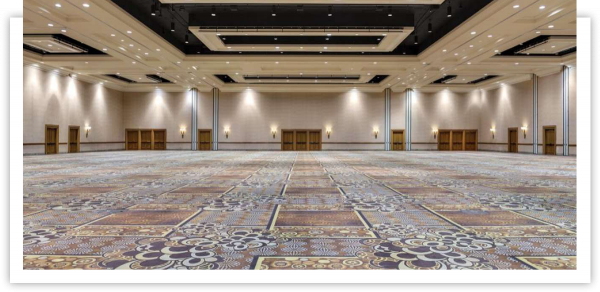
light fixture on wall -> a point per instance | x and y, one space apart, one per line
87 130
182 131
328 131
226 133
493 130
273 132
435 132
524 128
375 132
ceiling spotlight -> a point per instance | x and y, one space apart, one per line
329 11
473 32
172 26
449 11
50 24
129 31
430 27
187 38
86 5
63 30
274 11
213 11
153 9
58 5
542 7
300 8
390 11
416 40
516 6
551 26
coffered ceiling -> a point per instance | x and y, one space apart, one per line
497 41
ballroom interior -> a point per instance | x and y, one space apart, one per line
300 135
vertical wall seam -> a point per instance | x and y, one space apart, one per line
535 115
565 99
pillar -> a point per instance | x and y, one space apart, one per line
565 100
194 123
215 128
535 114
387 128
408 110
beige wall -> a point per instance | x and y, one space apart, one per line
250 116
49 98
442 110
509 106
164 110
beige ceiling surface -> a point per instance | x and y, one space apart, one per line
134 50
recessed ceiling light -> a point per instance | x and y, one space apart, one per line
496 51
489 35
538 32
468 63
50 24
129 31
104 49
542 7
516 6
227 62
470 46
276 62
516 63
158 50
63 30
551 26
473 32
133 62
86 5
178 62
58 5
444 50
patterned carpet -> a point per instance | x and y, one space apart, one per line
307 210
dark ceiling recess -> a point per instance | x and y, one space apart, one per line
158 78
225 78
120 78
488 77
431 22
377 79
86 50
301 40
444 79
514 51
303 77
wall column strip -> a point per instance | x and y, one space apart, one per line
565 100
408 106
194 123
535 114
215 128
387 127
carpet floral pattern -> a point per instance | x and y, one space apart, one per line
299 210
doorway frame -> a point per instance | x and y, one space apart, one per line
544 139
198 142
307 131
138 141
78 139
392 132
56 144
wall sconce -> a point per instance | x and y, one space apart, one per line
87 130
435 132
182 131
493 133
226 133
273 132
328 133
524 128
376 132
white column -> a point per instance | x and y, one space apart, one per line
408 111
194 127
215 128
387 127
535 114
565 100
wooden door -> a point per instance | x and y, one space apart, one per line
444 140
301 141
51 139
513 140
314 140
550 140
471 140
146 139
287 140
204 140
457 141
132 140
397 140
73 139
160 139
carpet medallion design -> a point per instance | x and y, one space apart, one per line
299 210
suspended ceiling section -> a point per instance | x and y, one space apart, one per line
475 48
412 26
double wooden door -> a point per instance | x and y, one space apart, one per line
397 140
457 140
550 140
51 141
73 139
300 140
513 140
146 139
204 140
